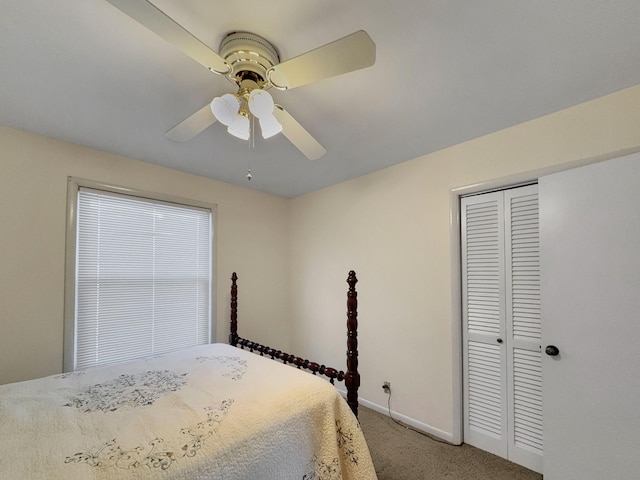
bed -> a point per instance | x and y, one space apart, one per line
207 412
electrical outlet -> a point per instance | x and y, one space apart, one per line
386 386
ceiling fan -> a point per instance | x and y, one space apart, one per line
253 65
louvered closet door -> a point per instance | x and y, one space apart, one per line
524 356
484 322
501 324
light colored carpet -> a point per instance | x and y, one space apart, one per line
400 453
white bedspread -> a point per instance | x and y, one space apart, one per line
209 412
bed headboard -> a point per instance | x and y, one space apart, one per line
351 378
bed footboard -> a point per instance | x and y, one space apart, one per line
351 377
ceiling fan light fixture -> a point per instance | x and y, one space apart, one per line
260 103
269 126
239 127
225 108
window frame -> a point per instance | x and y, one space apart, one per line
74 184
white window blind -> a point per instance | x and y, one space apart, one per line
143 273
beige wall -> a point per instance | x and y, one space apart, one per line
393 228
251 238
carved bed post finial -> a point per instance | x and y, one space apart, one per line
352 377
233 336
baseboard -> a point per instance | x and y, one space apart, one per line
412 422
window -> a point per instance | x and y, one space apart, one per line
140 272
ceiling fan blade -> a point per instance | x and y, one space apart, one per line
347 54
297 135
147 14
193 125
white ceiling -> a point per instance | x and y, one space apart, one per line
446 71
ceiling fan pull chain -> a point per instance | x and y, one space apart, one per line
251 144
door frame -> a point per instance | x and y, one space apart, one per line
511 181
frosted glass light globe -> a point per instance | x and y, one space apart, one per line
269 126
225 108
260 103
240 127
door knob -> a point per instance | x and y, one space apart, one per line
551 350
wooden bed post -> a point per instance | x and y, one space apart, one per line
233 336
352 377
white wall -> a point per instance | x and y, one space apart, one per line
251 238
393 228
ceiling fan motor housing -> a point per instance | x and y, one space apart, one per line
249 55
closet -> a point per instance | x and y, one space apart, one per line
501 332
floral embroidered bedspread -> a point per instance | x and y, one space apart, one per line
207 412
